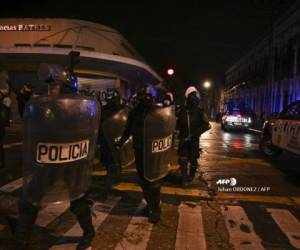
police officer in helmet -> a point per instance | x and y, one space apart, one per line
53 118
5 111
191 123
168 99
137 127
112 164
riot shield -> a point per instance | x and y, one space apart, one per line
158 132
60 136
113 128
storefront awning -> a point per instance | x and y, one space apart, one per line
124 68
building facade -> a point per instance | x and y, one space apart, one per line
267 78
107 60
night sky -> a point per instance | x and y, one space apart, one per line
199 39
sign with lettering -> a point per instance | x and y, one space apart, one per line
163 144
62 152
26 27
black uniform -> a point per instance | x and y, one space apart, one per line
112 166
23 97
4 122
191 123
73 176
135 127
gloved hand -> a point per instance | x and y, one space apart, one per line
119 143
186 139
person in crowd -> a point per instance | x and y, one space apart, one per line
23 96
191 123
168 99
112 165
5 115
144 104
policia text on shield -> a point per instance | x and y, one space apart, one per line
60 153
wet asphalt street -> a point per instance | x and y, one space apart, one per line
234 154
239 200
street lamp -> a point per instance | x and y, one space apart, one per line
170 72
207 84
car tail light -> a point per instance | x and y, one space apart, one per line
231 118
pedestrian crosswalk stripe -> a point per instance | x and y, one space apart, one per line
100 212
190 224
12 186
288 224
190 232
50 213
10 145
241 232
138 232
265 226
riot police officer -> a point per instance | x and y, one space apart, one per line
5 111
59 145
168 99
151 128
23 96
111 163
191 123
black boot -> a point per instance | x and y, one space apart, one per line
28 214
108 181
193 171
184 176
116 174
83 214
153 194
2 156
154 216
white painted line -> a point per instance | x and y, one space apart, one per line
51 212
255 130
138 232
100 210
48 214
12 186
240 228
190 232
5 146
288 224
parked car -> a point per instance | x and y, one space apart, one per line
234 119
282 133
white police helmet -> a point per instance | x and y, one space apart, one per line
190 90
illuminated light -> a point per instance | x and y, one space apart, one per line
170 72
231 118
206 84
238 118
